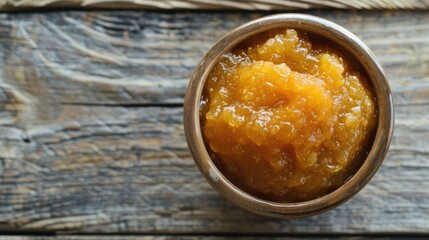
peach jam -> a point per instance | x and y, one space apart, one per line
287 116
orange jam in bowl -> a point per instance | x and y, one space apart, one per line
287 117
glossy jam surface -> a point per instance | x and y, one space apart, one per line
287 118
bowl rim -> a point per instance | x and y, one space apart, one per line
336 34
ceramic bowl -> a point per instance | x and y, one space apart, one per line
337 35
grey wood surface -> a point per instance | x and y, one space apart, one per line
91 135
262 5
190 237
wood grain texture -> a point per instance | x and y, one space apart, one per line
264 5
91 135
191 237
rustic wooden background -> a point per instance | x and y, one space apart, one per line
92 142
264 5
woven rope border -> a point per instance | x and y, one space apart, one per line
250 5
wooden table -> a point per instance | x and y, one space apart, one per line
92 141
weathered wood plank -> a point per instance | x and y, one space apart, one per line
203 237
91 135
264 5
147 57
